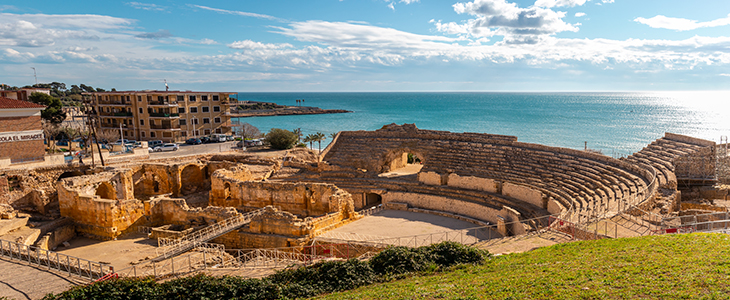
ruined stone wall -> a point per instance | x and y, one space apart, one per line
469 209
229 189
176 211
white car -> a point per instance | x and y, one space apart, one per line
167 147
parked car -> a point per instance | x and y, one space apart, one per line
193 141
167 147
205 140
153 144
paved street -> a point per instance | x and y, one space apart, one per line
195 149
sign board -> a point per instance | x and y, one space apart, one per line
21 136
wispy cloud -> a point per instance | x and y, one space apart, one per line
580 14
238 13
251 45
681 24
559 3
147 6
160 34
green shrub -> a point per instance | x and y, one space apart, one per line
281 138
399 260
324 277
452 253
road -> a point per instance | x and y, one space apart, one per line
186 150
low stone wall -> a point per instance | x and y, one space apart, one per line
438 203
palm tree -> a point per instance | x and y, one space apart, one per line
309 139
298 132
319 137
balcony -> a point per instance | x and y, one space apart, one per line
165 127
164 115
163 103
116 114
114 103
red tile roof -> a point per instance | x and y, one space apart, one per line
6 103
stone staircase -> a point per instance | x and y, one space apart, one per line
173 247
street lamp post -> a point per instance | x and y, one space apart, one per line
121 137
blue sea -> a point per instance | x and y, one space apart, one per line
617 124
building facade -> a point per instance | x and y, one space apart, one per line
22 94
21 131
170 116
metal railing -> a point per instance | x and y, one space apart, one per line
174 246
371 211
51 260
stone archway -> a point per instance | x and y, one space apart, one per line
402 162
191 180
106 190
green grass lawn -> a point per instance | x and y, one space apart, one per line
688 266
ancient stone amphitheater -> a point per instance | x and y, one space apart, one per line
243 201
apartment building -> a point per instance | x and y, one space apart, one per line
170 116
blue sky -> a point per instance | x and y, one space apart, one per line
370 45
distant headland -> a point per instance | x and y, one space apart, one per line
261 109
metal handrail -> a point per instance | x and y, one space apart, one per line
51 260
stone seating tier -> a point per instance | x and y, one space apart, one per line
573 178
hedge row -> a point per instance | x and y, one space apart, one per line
324 277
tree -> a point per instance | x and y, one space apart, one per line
50 130
54 108
319 137
298 132
107 135
309 139
247 131
281 138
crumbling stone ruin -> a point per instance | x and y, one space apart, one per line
291 199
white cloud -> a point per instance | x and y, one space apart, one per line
207 42
681 24
559 3
517 25
391 5
251 45
147 6
580 14
725 75
237 13
409 1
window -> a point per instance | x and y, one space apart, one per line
216 108
206 109
206 121
181 110
183 122
215 97
143 134
152 122
218 130
180 98
160 98
141 122
139 98
149 99
204 98
149 110
183 134
191 98
141 111
207 131
129 109
195 121
193 110
107 109
152 134
217 120
127 98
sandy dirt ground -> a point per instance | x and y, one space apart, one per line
119 253
395 223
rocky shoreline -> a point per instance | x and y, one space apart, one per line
286 112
